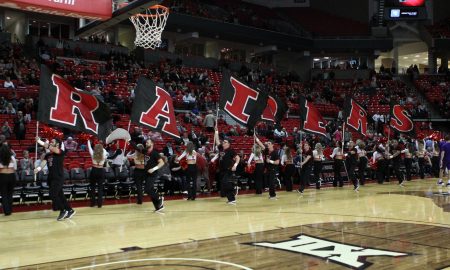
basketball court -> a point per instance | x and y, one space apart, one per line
391 227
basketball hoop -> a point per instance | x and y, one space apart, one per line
149 26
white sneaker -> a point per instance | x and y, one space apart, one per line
231 202
273 198
440 182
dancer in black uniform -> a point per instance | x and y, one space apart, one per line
97 176
139 172
287 160
257 157
396 158
8 167
338 156
362 161
191 171
55 162
318 159
272 161
306 167
352 159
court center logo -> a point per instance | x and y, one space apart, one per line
347 255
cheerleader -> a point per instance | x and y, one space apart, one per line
352 159
8 167
378 158
421 154
408 151
191 171
257 156
362 160
288 161
338 156
318 158
396 158
306 167
435 159
97 176
139 168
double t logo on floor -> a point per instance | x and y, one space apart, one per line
347 255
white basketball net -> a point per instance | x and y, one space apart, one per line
149 26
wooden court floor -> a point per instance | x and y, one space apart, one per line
381 227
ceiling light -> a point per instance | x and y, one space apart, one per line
326 58
8 18
415 60
316 59
417 55
405 57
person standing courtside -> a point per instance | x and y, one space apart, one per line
227 164
154 163
55 162
8 167
396 158
97 176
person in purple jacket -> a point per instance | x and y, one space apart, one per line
445 159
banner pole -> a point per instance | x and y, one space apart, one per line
36 148
125 144
215 128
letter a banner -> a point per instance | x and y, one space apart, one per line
153 107
61 104
242 103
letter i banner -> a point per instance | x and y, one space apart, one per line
312 120
242 103
400 119
153 108
355 116
62 105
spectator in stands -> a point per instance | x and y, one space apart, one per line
10 109
168 150
70 144
8 83
6 130
209 122
38 163
26 163
20 126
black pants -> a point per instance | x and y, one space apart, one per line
351 173
227 186
381 170
435 166
422 167
7 183
362 165
271 178
139 178
399 174
317 170
258 175
338 164
287 176
57 194
408 167
150 189
305 175
96 180
191 179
